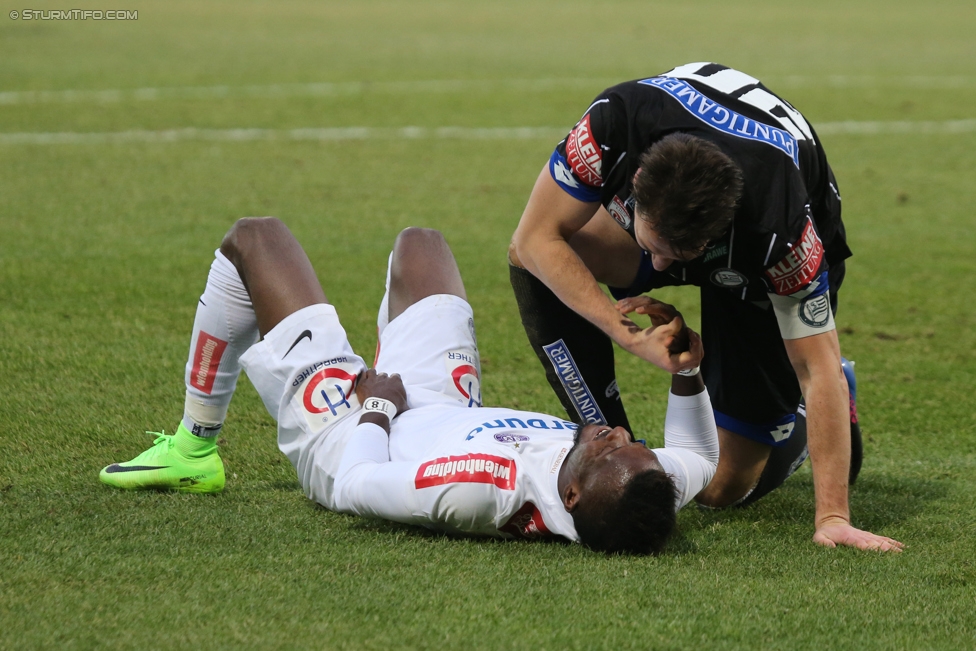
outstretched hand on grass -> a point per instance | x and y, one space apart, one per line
837 531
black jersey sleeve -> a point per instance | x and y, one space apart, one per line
577 164
797 264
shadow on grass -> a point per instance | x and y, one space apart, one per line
678 545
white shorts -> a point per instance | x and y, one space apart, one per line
305 372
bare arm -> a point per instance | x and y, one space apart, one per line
541 245
816 360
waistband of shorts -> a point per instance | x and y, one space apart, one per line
761 433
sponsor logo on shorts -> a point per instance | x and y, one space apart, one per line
467 468
583 154
206 360
725 119
308 371
329 395
526 523
815 311
569 377
728 278
782 432
618 210
800 265
463 367
511 438
305 334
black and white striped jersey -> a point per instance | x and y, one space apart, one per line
787 229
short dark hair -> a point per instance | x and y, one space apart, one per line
640 522
688 189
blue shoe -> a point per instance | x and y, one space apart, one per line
857 445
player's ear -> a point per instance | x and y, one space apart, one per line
571 495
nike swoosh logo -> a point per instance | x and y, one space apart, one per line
306 333
117 468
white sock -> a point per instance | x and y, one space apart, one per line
225 326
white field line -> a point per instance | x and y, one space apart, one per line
873 127
338 89
422 133
321 135
277 91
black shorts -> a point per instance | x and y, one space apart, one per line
750 379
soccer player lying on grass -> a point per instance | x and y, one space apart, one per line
414 446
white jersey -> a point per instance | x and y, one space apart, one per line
494 471
448 463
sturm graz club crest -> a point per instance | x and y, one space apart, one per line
728 278
815 311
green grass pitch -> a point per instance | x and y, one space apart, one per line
105 244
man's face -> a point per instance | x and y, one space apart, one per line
660 249
606 459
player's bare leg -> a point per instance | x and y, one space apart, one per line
274 268
740 464
259 276
422 266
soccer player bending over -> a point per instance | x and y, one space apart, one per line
408 440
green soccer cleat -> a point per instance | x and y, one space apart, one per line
165 467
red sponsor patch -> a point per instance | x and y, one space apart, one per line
584 155
467 468
461 371
341 391
800 265
206 359
526 523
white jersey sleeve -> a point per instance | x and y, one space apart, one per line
464 493
690 453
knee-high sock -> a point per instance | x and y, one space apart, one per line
225 326
577 356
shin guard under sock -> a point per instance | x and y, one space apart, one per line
577 356
225 326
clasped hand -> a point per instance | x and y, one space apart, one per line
669 343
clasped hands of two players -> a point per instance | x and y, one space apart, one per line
669 343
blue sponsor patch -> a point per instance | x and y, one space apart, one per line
725 119
569 377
